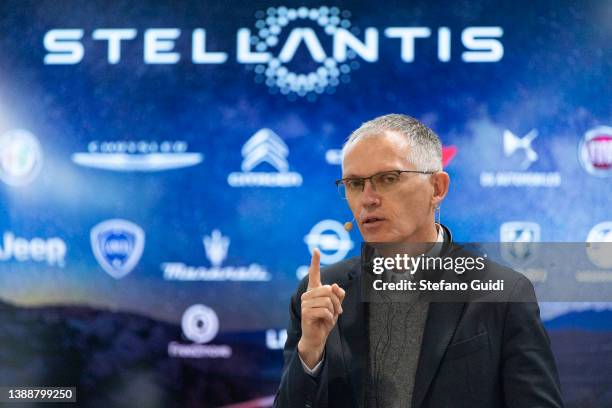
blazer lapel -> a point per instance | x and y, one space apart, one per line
352 327
440 326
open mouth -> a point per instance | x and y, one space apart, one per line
370 221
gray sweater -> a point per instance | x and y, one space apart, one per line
395 332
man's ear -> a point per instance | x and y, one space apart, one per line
440 182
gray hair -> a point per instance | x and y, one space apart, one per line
426 148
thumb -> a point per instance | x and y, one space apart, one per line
314 273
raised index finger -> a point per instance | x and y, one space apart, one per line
314 272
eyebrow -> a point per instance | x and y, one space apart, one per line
350 175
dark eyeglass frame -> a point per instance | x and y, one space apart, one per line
363 179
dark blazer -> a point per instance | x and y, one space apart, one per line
473 354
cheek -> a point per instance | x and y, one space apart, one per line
409 207
354 207
417 197
406 205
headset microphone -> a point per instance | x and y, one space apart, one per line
348 226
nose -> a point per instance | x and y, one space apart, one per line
369 196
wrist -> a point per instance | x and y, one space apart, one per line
310 355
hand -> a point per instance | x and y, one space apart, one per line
321 306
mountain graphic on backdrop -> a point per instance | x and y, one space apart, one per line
118 359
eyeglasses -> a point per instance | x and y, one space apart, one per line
381 182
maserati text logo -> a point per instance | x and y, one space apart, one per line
216 247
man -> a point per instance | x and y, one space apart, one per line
343 352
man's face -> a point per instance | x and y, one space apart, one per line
401 214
